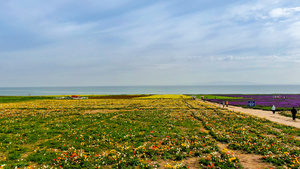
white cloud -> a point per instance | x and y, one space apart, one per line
283 12
250 11
53 30
223 58
293 31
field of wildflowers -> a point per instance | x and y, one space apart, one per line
138 133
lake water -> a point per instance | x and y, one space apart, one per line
113 90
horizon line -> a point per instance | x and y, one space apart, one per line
160 85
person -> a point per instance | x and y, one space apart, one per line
226 103
294 112
223 104
273 109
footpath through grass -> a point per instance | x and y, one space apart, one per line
142 133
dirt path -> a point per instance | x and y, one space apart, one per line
248 161
265 114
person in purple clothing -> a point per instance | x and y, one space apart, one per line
294 112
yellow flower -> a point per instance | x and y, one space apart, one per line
232 158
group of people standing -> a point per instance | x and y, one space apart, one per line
293 111
225 103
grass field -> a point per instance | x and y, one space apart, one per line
216 97
139 133
10 99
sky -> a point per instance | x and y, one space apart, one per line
149 42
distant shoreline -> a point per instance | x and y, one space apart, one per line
175 89
151 85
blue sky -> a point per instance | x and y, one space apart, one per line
132 42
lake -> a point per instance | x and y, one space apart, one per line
114 90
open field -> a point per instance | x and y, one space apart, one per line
140 133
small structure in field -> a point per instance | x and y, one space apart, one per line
76 96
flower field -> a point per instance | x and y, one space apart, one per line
139 133
282 102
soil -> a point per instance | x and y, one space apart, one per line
248 161
192 162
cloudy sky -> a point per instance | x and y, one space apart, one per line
149 42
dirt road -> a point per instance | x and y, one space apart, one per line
265 114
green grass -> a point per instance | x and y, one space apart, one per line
216 97
13 99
